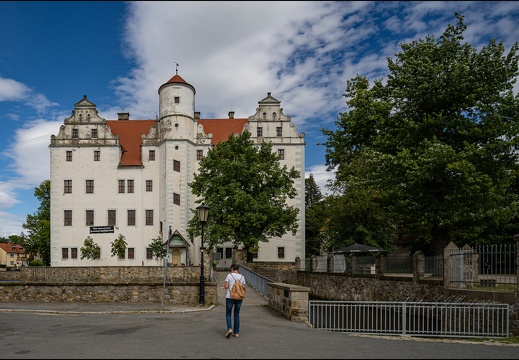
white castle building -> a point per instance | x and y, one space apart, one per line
130 177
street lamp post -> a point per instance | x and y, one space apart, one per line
203 213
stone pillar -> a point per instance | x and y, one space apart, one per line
350 260
378 263
240 256
516 239
298 264
313 266
329 263
418 265
447 271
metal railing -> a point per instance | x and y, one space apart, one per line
489 268
256 281
427 319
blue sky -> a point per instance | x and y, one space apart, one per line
233 53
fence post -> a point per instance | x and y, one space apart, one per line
418 265
516 238
447 271
313 265
351 263
378 263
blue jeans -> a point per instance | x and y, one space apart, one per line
229 303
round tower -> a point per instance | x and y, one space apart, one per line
176 97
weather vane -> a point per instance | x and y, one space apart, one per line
176 70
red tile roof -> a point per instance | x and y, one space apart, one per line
12 248
222 128
130 139
130 132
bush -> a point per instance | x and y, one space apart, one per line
36 263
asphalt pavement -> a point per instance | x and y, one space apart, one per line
137 331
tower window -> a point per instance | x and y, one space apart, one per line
281 154
177 99
151 155
69 155
199 154
176 165
97 155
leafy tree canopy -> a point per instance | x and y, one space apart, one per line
37 240
158 247
435 148
315 217
90 250
118 246
247 190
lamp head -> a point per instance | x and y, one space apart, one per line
203 213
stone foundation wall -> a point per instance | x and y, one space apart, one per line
175 294
290 300
132 284
280 272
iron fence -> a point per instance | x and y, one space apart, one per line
428 319
489 268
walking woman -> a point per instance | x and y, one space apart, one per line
231 278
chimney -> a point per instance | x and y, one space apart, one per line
123 116
231 114
197 115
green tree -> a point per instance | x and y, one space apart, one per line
90 250
118 246
158 247
315 217
247 190
37 240
435 147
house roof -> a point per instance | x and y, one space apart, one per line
130 139
12 248
222 128
130 132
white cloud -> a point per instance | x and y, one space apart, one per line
30 152
10 224
321 177
12 90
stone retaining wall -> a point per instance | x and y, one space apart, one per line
289 300
132 284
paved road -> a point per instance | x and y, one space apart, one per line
119 331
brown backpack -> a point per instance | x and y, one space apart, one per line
237 290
